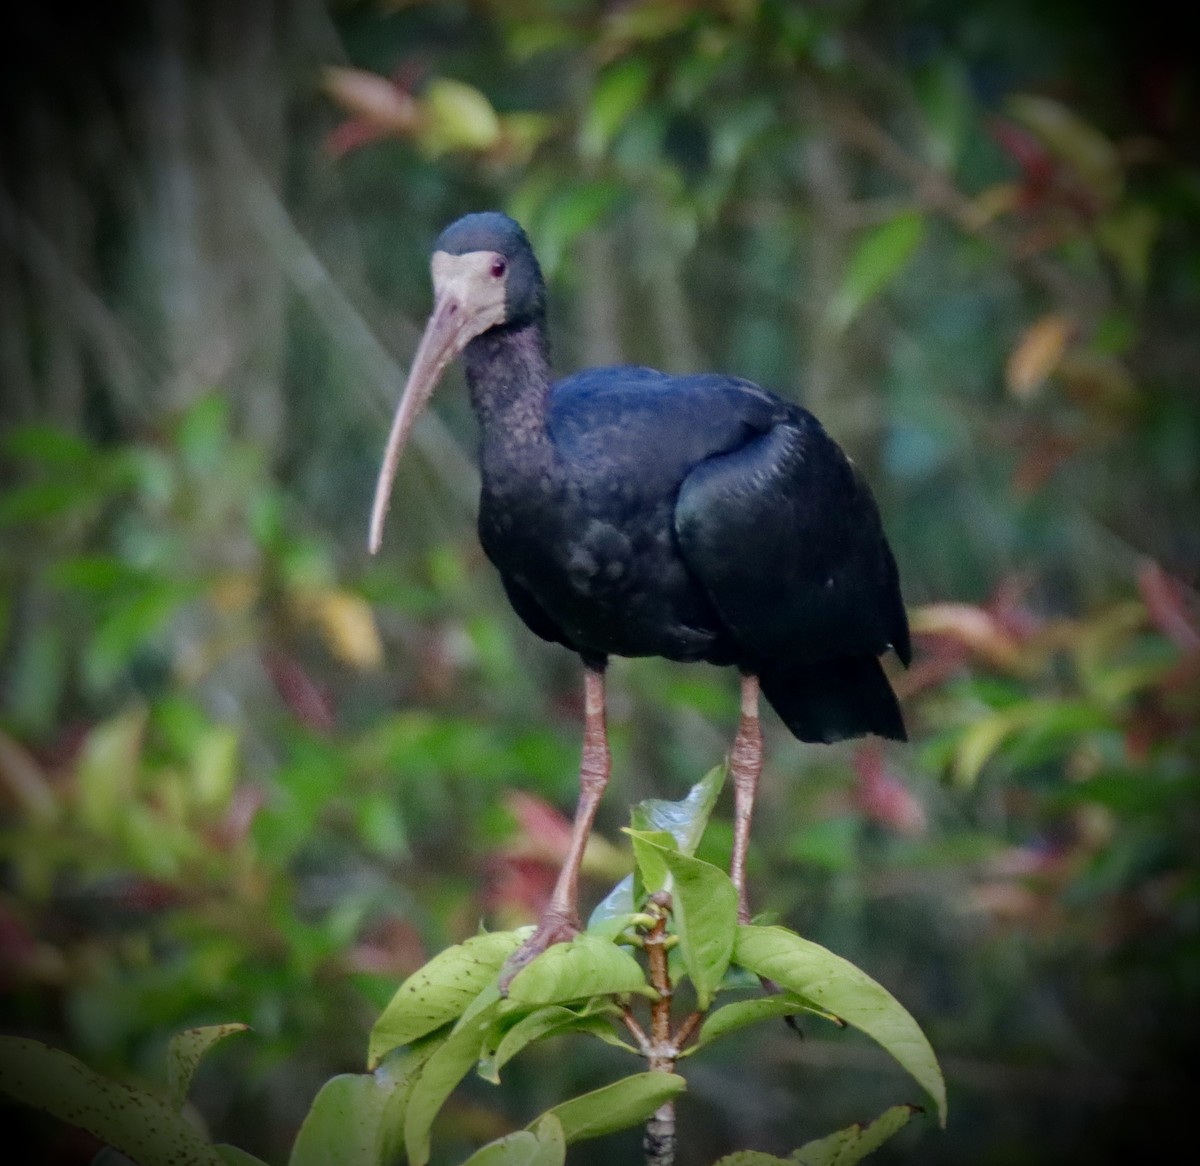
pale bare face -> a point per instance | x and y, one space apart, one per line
468 298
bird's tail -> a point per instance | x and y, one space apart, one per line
834 699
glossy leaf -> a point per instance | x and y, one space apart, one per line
541 1145
439 992
137 1124
741 1013
587 966
438 1078
854 1143
753 1158
355 1120
649 849
835 985
687 818
185 1052
538 1025
618 1106
704 907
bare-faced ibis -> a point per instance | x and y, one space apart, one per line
632 513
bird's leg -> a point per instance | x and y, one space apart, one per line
560 920
745 762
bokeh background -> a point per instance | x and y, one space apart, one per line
249 773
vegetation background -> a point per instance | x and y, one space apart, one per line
247 773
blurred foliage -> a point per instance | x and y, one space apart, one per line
667 938
248 775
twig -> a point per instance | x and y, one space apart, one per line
636 1031
684 1033
658 1141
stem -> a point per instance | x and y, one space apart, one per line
658 1141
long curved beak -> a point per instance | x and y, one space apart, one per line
463 308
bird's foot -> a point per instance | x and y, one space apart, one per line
554 927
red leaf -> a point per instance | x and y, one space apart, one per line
390 947
882 795
1167 603
306 700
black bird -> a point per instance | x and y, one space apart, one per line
632 513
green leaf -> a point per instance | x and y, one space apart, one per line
855 1142
835 985
567 213
687 818
618 91
214 766
984 736
202 434
47 444
458 117
107 771
536 1026
185 1052
704 906
605 923
440 991
136 621
1128 234
741 1013
448 1065
649 847
841 1149
753 1158
42 500
879 257
541 1145
357 1118
618 1106
138 1124
587 966
234 1156
943 92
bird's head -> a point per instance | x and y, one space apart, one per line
485 276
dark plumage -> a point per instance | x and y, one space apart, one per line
633 513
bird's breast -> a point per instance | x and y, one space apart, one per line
602 564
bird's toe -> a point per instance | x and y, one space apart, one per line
554 927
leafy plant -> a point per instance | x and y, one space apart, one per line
449 1017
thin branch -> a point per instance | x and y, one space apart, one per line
684 1032
658 1142
636 1030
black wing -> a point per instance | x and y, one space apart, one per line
786 539
532 613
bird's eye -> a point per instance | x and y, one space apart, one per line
499 267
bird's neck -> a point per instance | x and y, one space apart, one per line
508 373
